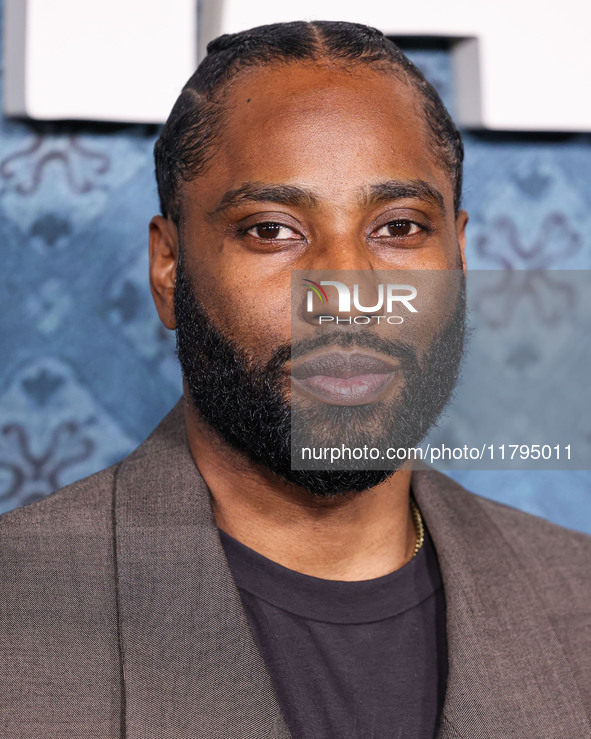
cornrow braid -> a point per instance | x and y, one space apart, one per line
187 140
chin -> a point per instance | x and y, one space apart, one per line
333 484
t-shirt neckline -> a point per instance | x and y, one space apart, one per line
334 601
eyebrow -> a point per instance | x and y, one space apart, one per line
399 189
254 192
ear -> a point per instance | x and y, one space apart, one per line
164 251
461 221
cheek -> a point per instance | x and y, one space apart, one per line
437 294
254 313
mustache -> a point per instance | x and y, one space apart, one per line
405 353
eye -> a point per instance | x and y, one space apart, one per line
401 228
272 231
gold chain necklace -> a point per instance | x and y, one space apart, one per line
420 529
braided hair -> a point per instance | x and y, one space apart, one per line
187 140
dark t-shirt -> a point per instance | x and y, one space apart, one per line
349 660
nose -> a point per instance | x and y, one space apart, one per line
339 253
338 297
337 281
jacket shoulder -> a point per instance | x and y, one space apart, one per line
554 560
546 543
82 500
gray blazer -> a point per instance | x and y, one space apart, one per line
120 618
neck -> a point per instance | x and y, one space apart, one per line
356 536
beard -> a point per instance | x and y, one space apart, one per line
244 401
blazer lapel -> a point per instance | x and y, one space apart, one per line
191 667
508 675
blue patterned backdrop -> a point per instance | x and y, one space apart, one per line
87 370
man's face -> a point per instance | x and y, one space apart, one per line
314 169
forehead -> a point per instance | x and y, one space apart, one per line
328 127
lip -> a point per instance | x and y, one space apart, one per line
345 378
